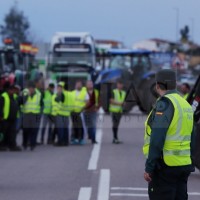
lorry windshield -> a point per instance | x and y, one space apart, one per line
83 58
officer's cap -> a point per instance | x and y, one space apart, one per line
167 77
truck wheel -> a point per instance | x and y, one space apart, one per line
147 98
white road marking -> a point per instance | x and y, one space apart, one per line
104 185
95 152
128 195
85 193
129 188
194 193
124 189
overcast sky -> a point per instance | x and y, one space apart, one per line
126 20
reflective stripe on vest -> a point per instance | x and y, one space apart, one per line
32 104
176 150
47 102
79 101
66 106
119 98
6 109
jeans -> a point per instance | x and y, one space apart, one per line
46 124
9 132
116 117
77 126
90 122
62 125
30 124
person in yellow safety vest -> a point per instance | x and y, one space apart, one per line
31 110
47 118
90 113
116 109
54 114
168 141
9 108
185 90
80 100
64 100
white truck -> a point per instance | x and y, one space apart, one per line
71 58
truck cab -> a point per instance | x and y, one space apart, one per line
71 58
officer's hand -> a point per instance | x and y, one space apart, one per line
147 177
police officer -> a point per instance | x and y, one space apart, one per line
9 109
31 110
80 100
47 119
116 109
168 141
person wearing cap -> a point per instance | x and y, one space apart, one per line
47 119
168 142
80 99
63 99
9 108
31 109
116 109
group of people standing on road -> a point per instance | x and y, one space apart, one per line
55 111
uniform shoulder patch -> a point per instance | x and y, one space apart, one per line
159 113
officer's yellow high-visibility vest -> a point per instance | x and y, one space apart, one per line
47 102
32 104
176 150
79 101
55 106
119 98
66 106
6 109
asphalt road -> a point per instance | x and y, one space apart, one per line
101 172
